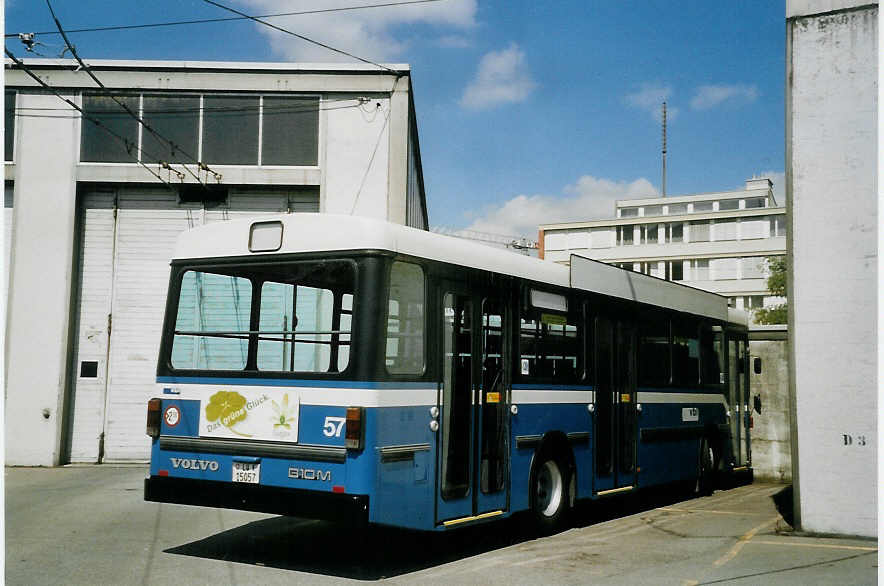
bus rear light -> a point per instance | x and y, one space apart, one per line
337 488
153 417
355 428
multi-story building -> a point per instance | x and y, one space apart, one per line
95 200
713 241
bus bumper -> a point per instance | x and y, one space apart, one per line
255 497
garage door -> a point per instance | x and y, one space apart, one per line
127 238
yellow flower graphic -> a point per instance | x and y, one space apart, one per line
228 408
283 415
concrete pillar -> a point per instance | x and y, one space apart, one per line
397 187
831 158
38 315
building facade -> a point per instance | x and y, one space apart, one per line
95 199
832 159
718 242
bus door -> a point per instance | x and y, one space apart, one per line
473 426
614 447
738 397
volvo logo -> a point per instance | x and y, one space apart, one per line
194 464
310 474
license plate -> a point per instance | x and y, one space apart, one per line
248 472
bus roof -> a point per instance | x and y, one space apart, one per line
303 232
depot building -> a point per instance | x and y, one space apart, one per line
95 199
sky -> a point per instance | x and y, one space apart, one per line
528 112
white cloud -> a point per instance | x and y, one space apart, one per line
501 77
370 33
454 42
709 96
650 98
590 198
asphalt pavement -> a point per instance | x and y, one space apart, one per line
90 525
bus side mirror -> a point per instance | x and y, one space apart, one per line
756 365
756 402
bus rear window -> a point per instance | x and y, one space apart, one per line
211 327
304 316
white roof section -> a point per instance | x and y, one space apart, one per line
335 233
303 233
593 275
244 66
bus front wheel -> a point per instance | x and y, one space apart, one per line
551 492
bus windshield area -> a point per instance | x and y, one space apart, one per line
284 317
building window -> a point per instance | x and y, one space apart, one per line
177 119
215 129
96 144
751 228
9 128
778 225
703 206
653 211
677 208
649 234
290 131
674 232
675 270
725 230
624 235
751 302
724 268
728 204
752 267
628 212
756 202
699 231
230 130
700 269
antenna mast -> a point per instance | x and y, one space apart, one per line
664 149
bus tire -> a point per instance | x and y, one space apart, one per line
706 466
551 492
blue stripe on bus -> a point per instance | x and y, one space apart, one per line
275 382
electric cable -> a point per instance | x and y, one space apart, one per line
302 37
173 147
226 19
126 143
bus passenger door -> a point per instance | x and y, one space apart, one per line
456 409
738 397
614 446
473 456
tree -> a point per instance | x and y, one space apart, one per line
776 284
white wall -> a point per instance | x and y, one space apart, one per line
355 160
831 181
38 311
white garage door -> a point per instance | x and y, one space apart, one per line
124 272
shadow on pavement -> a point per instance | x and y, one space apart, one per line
784 503
375 552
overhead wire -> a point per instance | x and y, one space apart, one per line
125 142
172 146
225 19
302 37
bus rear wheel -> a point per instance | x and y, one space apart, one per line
705 468
551 493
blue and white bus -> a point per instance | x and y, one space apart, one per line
345 368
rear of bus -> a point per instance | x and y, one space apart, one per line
268 394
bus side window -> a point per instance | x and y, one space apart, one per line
550 345
405 320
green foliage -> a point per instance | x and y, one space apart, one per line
776 284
